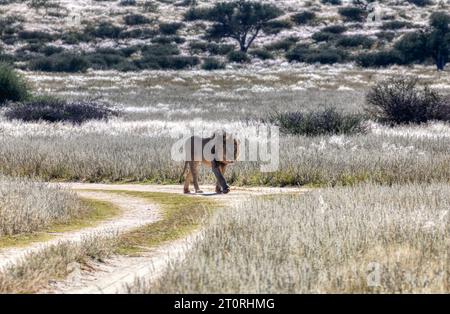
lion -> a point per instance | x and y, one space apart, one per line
217 152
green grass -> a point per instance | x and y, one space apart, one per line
180 216
97 212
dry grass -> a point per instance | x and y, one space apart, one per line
27 206
181 215
37 269
127 152
329 240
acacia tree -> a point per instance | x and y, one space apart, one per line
240 20
439 39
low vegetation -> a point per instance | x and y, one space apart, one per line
56 262
181 215
402 100
27 206
366 238
324 122
12 85
50 109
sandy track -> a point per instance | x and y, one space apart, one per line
208 189
135 213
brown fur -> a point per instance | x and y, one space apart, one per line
194 161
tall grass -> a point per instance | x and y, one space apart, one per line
368 238
120 151
27 206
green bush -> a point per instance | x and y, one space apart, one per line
355 41
135 19
126 3
104 30
141 33
238 56
62 62
401 100
394 25
262 53
335 29
421 3
106 58
322 36
276 26
380 58
305 17
170 28
197 13
387 36
12 85
352 14
178 62
212 64
302 53
283 44
323 122
413 47
51 109
332 2
36 36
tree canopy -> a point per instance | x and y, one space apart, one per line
240 20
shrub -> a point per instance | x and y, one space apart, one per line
322 36
135 19
62 62
413 47
238 56
104 30
12 85
387 36
178 62
332 2
325 56
141 33
106 58
335 29
283 44
262 53
170 28
355 41
401 100
302 53
197 13
276 26
380 58
35 36
352 14
126 3
212 64
393 25
305 17
322 122
45 108
421 3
